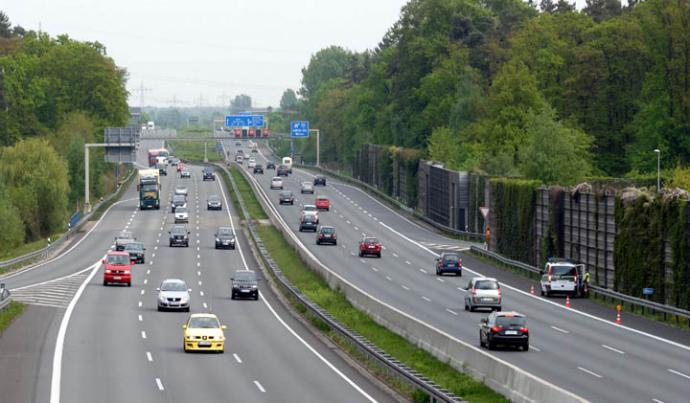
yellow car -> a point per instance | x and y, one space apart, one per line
203 332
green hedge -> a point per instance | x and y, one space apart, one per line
512 206
388 164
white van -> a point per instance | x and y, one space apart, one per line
287 161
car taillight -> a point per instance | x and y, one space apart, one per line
333 236
126 271
499 294
496 329
321 235
108 271
549 279
474 291
524 330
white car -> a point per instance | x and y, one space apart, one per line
173 294
185 174
252 162
277 183
181 190
311 209
483 292
181 215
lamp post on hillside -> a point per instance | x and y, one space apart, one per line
658 169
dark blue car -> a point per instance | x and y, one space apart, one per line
449 263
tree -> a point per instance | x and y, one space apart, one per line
680 178
5 26
36 181
326 64
602 10
12 234
241 103
289 100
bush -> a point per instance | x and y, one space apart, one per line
512 206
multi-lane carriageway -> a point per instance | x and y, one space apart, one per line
88 343
579 349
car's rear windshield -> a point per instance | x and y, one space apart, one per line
327 230
563 270
245 276
118 259
179 199
286 194
322 198
204 323
450 258
371 240
179 230
174 286
486 285
309 207
506 321
214 198
125 235
134 246
225 231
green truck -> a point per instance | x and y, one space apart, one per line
149 187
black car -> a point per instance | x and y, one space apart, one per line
307 222
319 180
282 170
178 201
326 234
214 203
270 165
174 160
162 169
258 169
136 252
286 197
179 236
122 239
209 174
254 150
244 285
238 144
225 238
504 328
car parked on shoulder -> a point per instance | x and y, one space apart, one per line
322 203
561 276
307 187
504 328
209 175
244 285
369 246
181 215
225 238
136 252
122 239
483 292
449 262
277 183
326 234
203 332
214 203
286 197
319 180
173 294
117 268
179 236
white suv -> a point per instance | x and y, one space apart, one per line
277 183
483 292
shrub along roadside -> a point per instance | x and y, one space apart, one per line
10 313
194 150
315 288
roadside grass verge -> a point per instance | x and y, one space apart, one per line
316 289
255 210
194 150
10 313
27 247
103 207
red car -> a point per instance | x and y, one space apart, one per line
369 246
322 203
180 167
118 268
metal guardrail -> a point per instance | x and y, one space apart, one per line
654 306
45 251
369 350
5 297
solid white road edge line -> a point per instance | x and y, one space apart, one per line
56 376
285 325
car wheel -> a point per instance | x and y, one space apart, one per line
498 309
129 284
300 229
467 308
481 340
160 309
105 282
143 261
525 347
490 345
472 308
361 254
232 295
459 274
186 309
256 297
335 243
379 255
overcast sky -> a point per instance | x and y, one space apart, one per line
206 51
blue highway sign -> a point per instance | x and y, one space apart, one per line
299 128
244 120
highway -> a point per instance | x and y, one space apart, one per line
116 346
580 350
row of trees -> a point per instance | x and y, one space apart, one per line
505 88
56 94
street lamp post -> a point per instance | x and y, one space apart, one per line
658 169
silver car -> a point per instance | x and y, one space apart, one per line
181 190
307 187
483 292
181 215
173 294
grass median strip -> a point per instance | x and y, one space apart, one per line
255 209
316 289
194 150
10 313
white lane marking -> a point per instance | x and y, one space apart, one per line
198 256
237 358
558 329
141 319
615 350
143 291
374 268
352 253
673 371
407 262
198 248
149 357
143 334
140 304
155 248
146 281
198 264
451 311
440 279
395 254
658 401
343 246
199 282
423 271
126 226
151 263
348 221
198 273
362 260
205 306
426 299
406 288
153 255
60 340
159 384
389 278
534 348
356 228
201 293
148 271
462 289
585 370
258 385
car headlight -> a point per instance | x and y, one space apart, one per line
235 286
161 298
217 239
254 287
